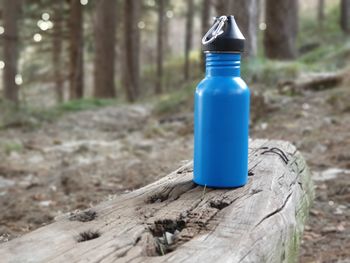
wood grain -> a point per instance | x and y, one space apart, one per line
174 220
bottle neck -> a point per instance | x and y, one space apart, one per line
223 64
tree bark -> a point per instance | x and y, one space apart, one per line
320 13
11 15
105 39
246 13
76 52
132 48
282 29
160 44
166 44
345 16
188 39
57 48
204 25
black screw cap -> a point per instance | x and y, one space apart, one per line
230 40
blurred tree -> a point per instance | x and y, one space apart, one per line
222 7
320 12
57 39
345 16
76 76
105 40
188 37
282 29
167 45
11 14
205 25
160 44
246 13
132 48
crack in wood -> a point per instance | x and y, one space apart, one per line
276 211
85 216
250 171
255 191
171 193
279 152
167 225
88 235
165 234
295 181
186 170
195 224
219 204
188 224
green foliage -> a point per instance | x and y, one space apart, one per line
12 146
173 75
328 57
176 101
329 50
332 48
311 31
269 72
85 104
19 116
28 117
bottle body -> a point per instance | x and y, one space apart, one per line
221 124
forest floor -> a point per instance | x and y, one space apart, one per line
86 157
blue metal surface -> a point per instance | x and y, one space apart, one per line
221 122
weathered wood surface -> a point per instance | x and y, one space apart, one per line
260 222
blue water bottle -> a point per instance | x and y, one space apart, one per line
221 117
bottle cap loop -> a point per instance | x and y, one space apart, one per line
223 36
215 30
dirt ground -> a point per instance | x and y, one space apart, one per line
90 156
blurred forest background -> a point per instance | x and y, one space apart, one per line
96 99
69 50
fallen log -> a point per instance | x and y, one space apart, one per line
174 220
313 82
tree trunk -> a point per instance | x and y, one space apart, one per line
105 39
160 44
246 13
320 13
188 40
11 15
76 77
204 25
57 48
282 29
166 44
222 7
345 16
132 48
